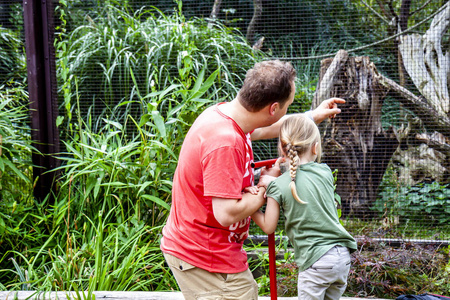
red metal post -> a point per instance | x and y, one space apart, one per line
271 238
272 267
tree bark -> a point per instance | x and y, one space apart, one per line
402 26
354 142
404 14
257 13
427 64
431 118
216 9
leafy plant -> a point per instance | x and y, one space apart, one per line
385 272
148 51
15 156
15 142
116 179
12 58
112 257
21 217
425 201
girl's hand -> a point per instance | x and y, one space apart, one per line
265 180
252 190
273 171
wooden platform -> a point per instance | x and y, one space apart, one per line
27 295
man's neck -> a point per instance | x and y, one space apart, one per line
248 121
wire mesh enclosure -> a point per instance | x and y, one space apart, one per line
389 147
117 61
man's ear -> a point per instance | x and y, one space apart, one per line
273 108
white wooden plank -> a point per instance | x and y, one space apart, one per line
29 295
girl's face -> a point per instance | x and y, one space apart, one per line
281 153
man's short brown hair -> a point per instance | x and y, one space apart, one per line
267 82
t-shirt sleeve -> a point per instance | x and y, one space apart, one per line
327 174
223 171
273 191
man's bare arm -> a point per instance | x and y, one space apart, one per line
327 109
229 211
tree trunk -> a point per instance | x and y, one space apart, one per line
257 13
354 142
216 9
427 64
402 26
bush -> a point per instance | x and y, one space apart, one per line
115 55
19 213
378 271
429 202
12 58
386 272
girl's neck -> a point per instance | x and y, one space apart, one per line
306 158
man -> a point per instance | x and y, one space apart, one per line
209 218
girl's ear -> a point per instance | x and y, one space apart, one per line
314 148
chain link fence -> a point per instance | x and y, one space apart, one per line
390 146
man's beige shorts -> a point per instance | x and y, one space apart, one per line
198 284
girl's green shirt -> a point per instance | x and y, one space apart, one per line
312 228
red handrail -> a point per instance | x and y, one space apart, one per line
271 239
264 163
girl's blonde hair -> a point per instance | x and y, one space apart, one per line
298 134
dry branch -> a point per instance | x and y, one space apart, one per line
216 9
427 114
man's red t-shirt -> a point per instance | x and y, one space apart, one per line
215 161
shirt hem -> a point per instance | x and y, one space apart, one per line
211 270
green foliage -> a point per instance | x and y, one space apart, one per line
12 58
385 272
98 256
425 201
129 167
115 180
15 141
15 151
19 213
148 51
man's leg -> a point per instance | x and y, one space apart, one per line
199 284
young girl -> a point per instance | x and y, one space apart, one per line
306 196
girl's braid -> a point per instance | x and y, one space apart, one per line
293 163
293 159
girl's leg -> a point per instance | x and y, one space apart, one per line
325 278
342 268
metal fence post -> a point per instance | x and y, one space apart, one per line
39 33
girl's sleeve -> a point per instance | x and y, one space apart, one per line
273 191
